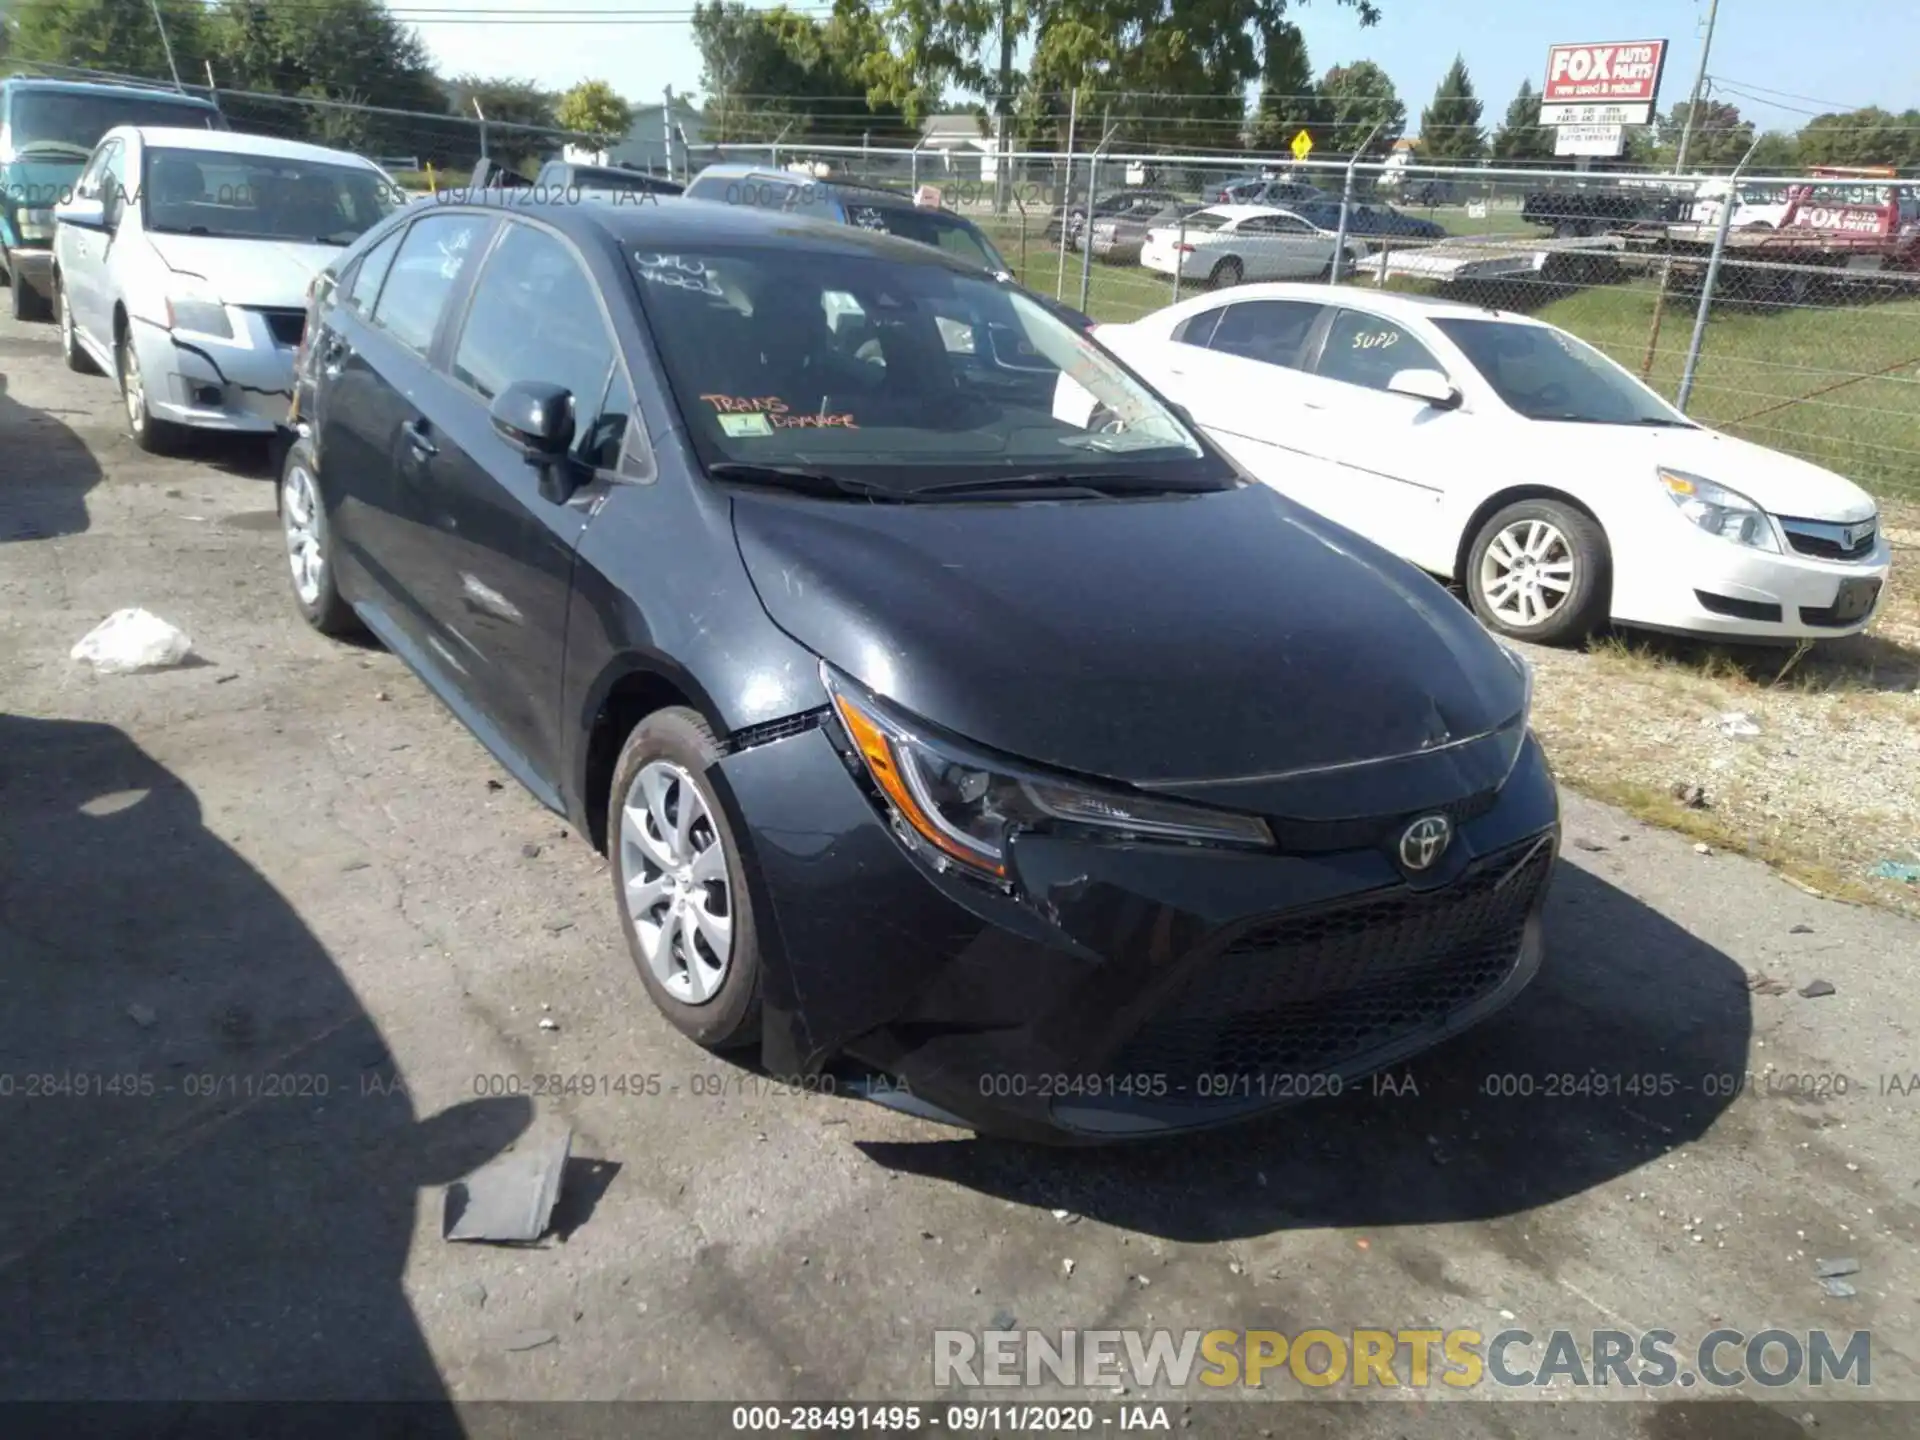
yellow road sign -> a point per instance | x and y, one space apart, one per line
1302 145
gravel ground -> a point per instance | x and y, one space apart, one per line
341 947
1827 788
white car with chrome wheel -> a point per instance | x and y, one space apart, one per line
1502 453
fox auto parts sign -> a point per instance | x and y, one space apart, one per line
1611 84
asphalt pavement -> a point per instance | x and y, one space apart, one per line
284 953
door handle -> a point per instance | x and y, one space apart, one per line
416 433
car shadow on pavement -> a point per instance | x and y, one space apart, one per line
46 471
1624 1047
212 1176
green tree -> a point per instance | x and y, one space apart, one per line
1719 139
1776 153
1354 98
1871 136
1450 127
1521 136
1287 103
116 35
1187 63
506 104
594 108
774 70
344 52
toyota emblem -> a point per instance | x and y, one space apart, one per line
1425 841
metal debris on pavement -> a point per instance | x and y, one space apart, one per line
1801 930
1834 1269
1814 989
1839 1289
510 1200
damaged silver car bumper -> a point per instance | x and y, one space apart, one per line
240 383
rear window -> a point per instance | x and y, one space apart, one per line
929 227
1206 222
801 356
590 178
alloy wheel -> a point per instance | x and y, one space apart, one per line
300 517
132 389
1526 573
678 891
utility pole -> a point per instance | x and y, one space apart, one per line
1699 89
166 45
1002 162
666 128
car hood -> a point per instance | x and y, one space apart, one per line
247 272
1775 482
1178 642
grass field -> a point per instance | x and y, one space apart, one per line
1834 380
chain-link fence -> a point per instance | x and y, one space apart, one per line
1784 310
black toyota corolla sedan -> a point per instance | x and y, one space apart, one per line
1063 775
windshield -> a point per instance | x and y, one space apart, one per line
1546 374
897 373
74 121
929 227
263 197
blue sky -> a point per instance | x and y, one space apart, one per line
1789 56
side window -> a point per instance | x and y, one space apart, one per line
1257 225
536 316
1198 329
1288 225
1272 331
1370 350
426 268
363 288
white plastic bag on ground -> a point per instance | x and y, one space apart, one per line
130 640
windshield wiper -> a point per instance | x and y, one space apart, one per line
803 479
51 147
1064 484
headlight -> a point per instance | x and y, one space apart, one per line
1720 511
199 314
966 805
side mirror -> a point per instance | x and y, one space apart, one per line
81 214
1428 385
534 418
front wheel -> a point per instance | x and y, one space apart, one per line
1540 570
679 882
155 436
25 300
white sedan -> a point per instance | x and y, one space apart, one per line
1502 453
181 266
1226 244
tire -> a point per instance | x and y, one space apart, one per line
1565 543
1228 273
24 301
156 437
71 351
309 541
663 764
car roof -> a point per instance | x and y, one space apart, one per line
737 170
1243 212
233 142
669 221
91 87
1395 303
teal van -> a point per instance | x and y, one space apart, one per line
48 128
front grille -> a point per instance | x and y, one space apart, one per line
286 326
1829 541
1317 993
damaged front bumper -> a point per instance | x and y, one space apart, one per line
242 384
1124 990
